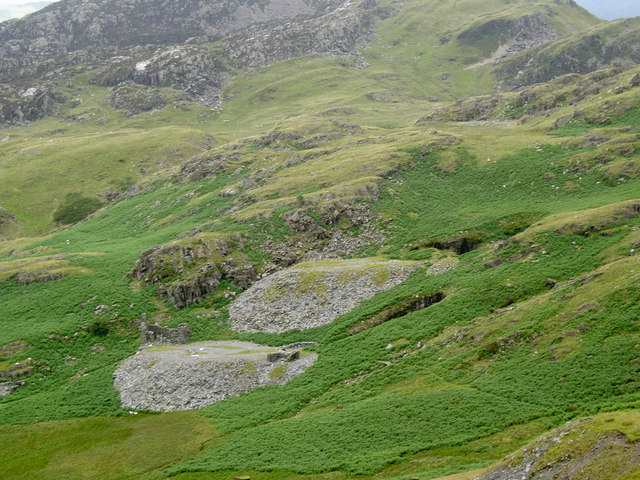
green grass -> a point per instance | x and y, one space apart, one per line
443 390
102 447
424 380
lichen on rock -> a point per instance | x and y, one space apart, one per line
313 294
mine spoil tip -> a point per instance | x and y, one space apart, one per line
169 377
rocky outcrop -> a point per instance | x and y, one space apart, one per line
7 388
339 32
192 69
134 99
70 25
160 44
616 44
564 91
21 106
575 450
313 294
192 376
510 35
188 270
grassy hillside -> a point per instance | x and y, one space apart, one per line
96 148
523 209
515 346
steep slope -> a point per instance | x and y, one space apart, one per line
580 449
70 25
613 44
98 94
515 342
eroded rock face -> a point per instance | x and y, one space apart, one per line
150 334
75 24
339 32
188 270
134 99
21 106
516 35
312 294
616 45
541 460
184 377
192 69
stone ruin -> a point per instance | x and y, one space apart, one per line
157 334
283 355
288 353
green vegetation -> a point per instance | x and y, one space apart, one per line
102 447
74 208
522 208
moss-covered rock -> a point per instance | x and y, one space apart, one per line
188 270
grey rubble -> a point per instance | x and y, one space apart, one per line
184 377
286 300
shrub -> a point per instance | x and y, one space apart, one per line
75 207
99 327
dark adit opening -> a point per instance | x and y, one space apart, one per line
404 307
462 242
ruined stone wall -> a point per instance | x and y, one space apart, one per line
158 334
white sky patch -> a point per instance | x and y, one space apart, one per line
612 9
19 8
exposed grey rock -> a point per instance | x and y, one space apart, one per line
183 377
188 270
7 388
339 32
192 69
100 309
313 294
532 462
159 334
516 35
70 25
283 355
616 45
301 222
159 43
135 99
23 105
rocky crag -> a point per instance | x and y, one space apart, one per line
587 448
188 270
312 294
614 44
184 377
197 46
194 47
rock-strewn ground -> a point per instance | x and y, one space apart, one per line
312 294
591 448
182 377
